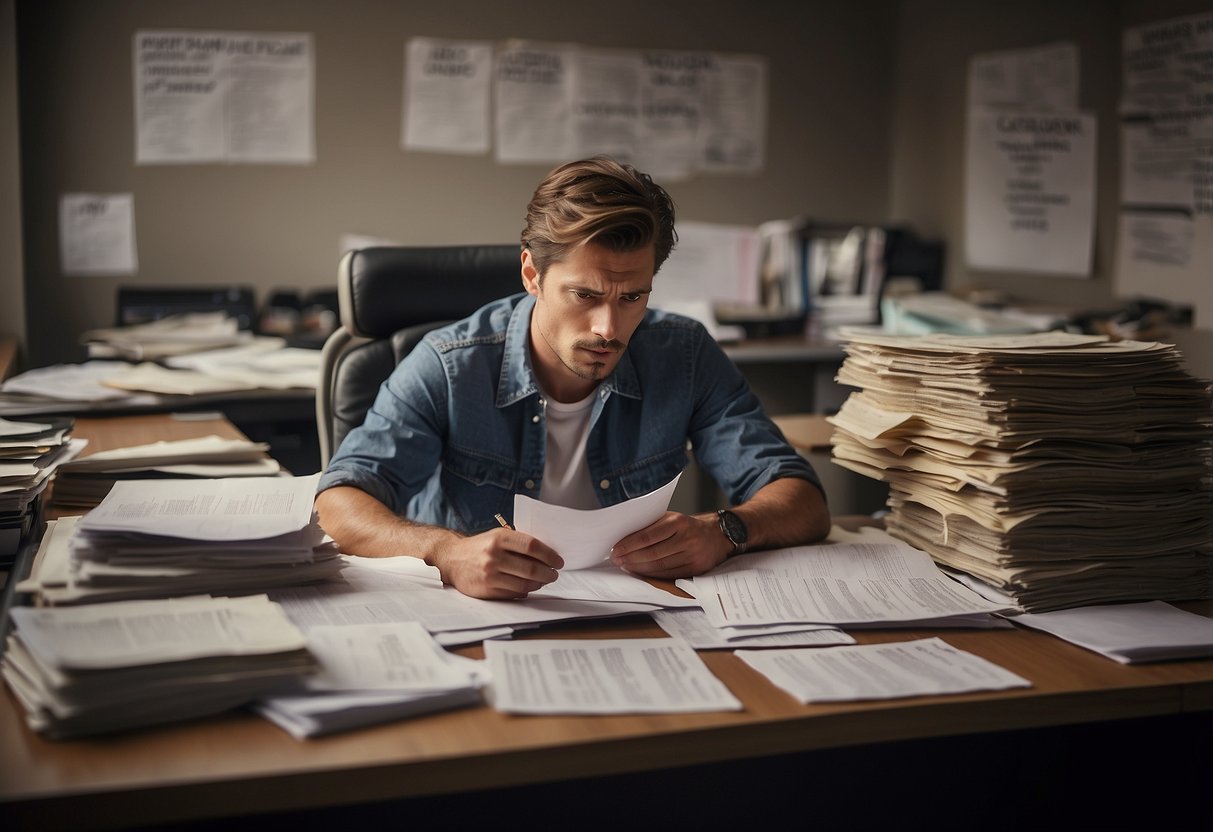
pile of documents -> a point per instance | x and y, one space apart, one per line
110 667
84 482
1060 470
30 452
172 335
872 581
69 388
371 673
168 538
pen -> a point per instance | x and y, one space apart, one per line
501 520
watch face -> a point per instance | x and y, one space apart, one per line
733 527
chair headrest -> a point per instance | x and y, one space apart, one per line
383 290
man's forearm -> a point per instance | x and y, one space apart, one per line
362 525
786 512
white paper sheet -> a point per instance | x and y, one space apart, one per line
694 627
245 508
97 234
532 85
398 656
446 85
609 676
128 633
1149 631
607 583
712 262
879 671
1030 191
584 537
832 584
1041 78
208 96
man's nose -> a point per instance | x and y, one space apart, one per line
603 323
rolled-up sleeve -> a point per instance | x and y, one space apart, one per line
731 435
398 447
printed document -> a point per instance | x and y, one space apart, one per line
248 508
693 627
607 676
846 583
1149 631
128 633
584 537
398 656
879 671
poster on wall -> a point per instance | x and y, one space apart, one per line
669 112
1030 192
446 95
238 97
1042 78
532 84
1165 240
97 234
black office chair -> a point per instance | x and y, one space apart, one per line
388 299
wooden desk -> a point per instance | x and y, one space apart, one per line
238 764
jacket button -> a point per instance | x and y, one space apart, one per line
530 484
604 484
535 418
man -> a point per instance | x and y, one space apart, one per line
574 393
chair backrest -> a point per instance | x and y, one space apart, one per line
388 299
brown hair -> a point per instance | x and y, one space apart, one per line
599 200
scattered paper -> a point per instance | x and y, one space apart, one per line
1145 632
879 671
833 584
609 676
694 627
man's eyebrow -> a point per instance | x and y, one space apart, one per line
573 287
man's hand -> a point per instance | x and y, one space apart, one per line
500 563
785 512
676 546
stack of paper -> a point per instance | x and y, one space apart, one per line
165 538
173 335
85 482
1147 632
881 582
69 388
109 667
30 452
1061 469
373 673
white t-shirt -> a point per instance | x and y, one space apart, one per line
566 474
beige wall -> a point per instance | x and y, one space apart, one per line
866 124
12 286
827 154
936 39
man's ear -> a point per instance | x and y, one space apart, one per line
530 275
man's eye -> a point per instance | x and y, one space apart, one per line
632 297
583 295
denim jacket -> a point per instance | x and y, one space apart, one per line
458 428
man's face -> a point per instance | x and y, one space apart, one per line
586 309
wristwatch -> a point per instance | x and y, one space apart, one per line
734 529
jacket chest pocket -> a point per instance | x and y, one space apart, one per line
476 488
642 476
